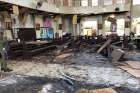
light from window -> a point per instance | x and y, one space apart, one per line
90 24
136 2
120 1
84 2
94 2
107 26
108 2
120 27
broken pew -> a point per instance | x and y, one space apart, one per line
117 54
104 45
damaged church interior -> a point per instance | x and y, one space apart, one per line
69 46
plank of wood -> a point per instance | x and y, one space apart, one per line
104 90
132 71
104 45
37 42
62 56
134 64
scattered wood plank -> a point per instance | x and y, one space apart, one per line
62 47
105 90
132 71
62 56
37 42
134 64
104 46
117 43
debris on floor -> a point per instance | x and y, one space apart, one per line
62 56
4 75
85 67
134 72
75 61
134 64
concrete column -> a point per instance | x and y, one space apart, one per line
100 25
89 2
70 2
103 25
74 22
61 2
77 3
101 2
74 30
127 24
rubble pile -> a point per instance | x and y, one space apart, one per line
72 66
84 67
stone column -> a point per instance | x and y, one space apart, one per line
90 2
100 25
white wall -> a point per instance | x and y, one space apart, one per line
136 11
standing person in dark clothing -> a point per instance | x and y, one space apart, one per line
4 56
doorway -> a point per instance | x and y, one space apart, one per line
89 28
